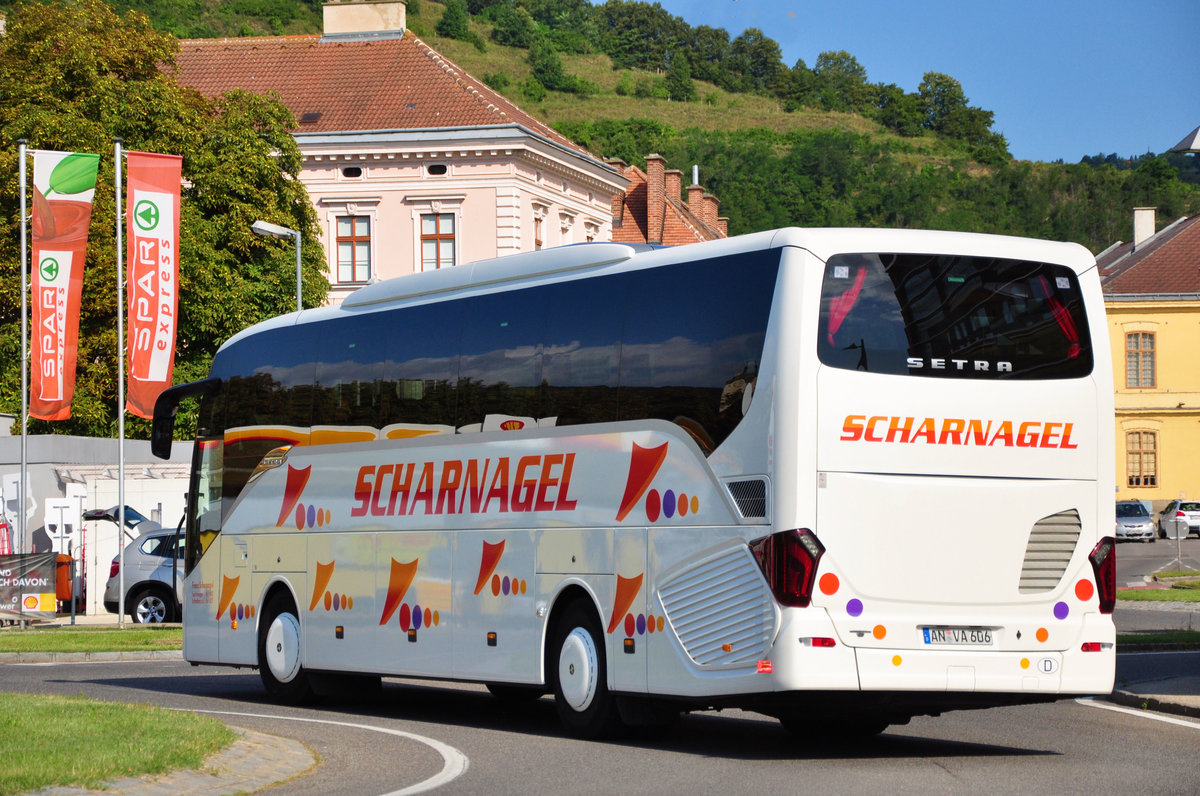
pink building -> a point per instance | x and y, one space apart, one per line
411 163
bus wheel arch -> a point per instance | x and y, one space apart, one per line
280 648
577 668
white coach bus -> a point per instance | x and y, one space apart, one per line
840 477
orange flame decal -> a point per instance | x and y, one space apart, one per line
488 562
643 466
401 577
324 573
627 590
228 589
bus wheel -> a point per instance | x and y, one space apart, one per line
581 695
279 653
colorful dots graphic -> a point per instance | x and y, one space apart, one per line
336 602
428 617
349 602
879 632
300 515
405 617
1043 634
829 583
505 585
328 601
312 516
641 625
437 619
695 505
668 504
854 607
630 624
495 585
653 505
1061 610
1084 590
650 623
524 585
1024 663
417 616
241 611
897 660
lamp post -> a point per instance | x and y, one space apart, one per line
270 230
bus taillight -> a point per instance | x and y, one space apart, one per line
789 563
1104 565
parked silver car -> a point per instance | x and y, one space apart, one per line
152 561
1179 509
1134 522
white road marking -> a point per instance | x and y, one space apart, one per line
1145 714
454 762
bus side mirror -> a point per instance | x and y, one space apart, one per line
162 429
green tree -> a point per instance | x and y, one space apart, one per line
756 58
679 79
841 82
453 24
74 74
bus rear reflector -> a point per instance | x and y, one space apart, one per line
1104 565
1092 646
789 560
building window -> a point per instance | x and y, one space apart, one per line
437 240
1139 359
354 248
1141 456
537 233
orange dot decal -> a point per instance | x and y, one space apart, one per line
428 616
695 504
683 505
328 601
495 585
879 632
829 583
437 619
1084 590
1043 634
1024 663
350 603
897 660
524 586
659 622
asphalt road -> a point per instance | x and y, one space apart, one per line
1064 747
1136 560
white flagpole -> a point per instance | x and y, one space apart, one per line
20 545
120 377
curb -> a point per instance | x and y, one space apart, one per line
90 657
1145 702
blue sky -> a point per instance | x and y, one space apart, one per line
1064 78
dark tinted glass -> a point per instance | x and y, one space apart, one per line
953 317
582 351
500 365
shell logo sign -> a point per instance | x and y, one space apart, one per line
512 425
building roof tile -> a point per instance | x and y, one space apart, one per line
1166 264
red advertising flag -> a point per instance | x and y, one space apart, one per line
153 231
63 185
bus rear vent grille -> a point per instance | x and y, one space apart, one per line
721 609
750 497
1051 544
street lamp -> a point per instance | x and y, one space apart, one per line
270 230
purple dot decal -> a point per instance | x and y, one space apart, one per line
641 625
1061 610
241 611
854 607
417 616
668 506
505 585
312 516
653 505
336 601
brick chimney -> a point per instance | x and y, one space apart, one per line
363 17
1143 225
695 200
723 226
674 184
656 166
618 199
710 211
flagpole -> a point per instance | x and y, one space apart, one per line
120 378
20 545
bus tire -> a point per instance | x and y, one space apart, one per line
279 647
579 665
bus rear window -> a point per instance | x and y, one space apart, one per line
953 317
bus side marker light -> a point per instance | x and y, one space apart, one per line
412 634
339 632
765 667
629 646
491 639
726 648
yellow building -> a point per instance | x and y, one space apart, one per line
1152 297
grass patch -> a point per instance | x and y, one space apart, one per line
91 639
1181 595
1179 637
1178 573
74 741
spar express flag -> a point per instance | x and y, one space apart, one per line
153 233
63 186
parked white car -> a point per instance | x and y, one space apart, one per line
1183 510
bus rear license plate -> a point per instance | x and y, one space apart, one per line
958 636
